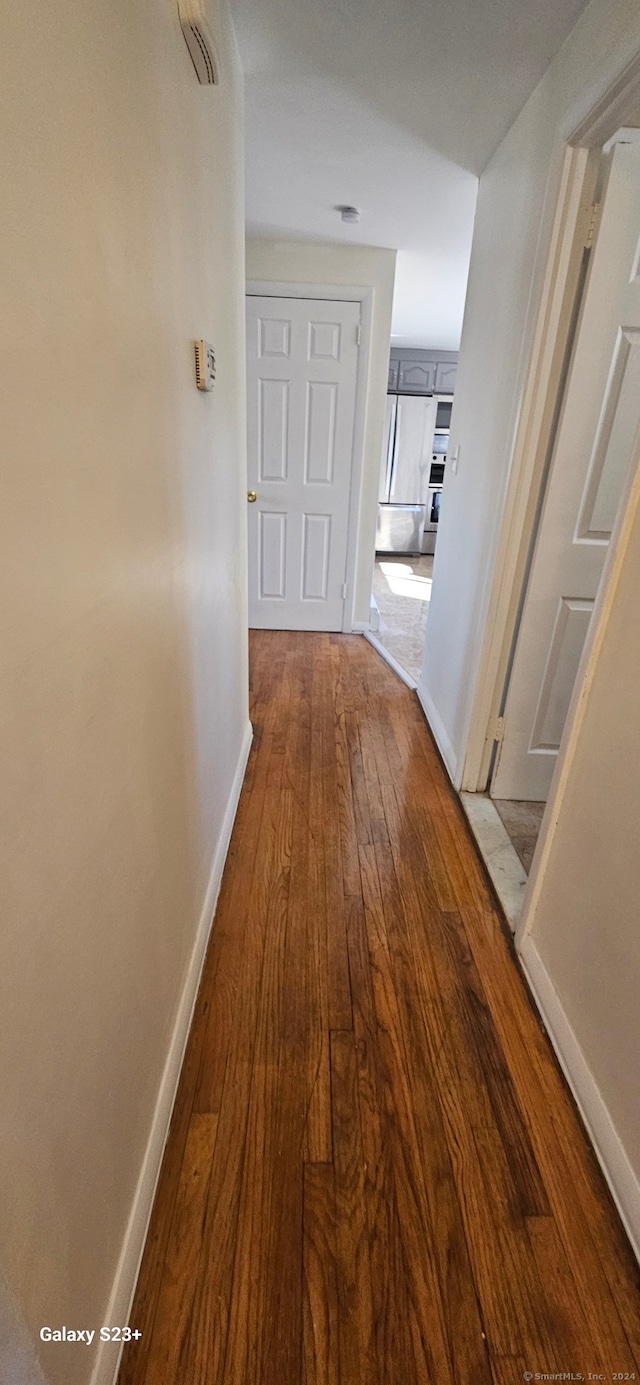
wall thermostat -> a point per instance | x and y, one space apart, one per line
205 365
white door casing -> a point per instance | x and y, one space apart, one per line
596 443
302 357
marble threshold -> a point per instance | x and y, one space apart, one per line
506 871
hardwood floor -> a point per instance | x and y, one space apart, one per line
375 1174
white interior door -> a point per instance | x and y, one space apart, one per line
302 357
597 442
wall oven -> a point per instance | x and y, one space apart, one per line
432 516
432 511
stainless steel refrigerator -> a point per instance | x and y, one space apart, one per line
404 475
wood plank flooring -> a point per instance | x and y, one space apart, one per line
375 1174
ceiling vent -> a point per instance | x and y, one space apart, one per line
199 41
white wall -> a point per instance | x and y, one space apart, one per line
123 703
513 221
359 266
582 940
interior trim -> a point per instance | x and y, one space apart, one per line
389 659
107 1360
439 733
609 1149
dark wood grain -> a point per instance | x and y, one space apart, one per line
355 1310
375 1173
394 1352
320 1341
177 1289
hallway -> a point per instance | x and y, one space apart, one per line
402 590
375 1174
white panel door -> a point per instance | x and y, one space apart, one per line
302 357
598 440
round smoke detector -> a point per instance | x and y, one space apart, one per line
349 214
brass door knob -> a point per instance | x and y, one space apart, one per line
251 496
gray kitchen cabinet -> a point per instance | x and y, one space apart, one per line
416 370
416 377
445 379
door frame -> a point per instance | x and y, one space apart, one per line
592 119
267 288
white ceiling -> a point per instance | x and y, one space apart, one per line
395 109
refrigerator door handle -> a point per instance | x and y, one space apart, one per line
391 453
394 468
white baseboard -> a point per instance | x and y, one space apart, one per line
374 615
389 659
359 627
18 1363
108 1355
440 735
610 1152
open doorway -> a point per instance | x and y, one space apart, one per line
402 592
412 470
591 453
593 450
